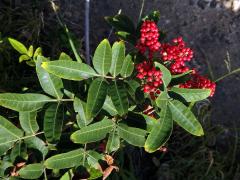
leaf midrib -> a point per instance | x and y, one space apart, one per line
94 130
182 115
130 132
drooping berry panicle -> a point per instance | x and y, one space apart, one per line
150 76
199 82
149 37
178 54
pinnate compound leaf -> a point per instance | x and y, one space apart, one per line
192 95
118 94
28 121
65 160
23 102
50 83
96 96
71 70
127 67
102 58
161 132
31 171
53 122
134 136
93 132
185 118
9 134
118 55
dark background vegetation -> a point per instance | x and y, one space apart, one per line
210 27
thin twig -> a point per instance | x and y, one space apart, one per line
228 74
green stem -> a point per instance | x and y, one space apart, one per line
72 45
84 155
67 32
228 74
141 10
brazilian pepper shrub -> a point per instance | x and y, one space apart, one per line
84 114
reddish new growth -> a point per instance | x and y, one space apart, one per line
150 76
149 37
199 82
176 53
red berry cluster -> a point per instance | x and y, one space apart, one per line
177 53
150 76
149 37
199 82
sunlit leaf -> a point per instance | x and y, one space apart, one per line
118 55
103 57
71 70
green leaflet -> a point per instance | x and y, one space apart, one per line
71 70
80 108
50 83
134 136
118 94
9 134
102 58
28 121
96 96
18 46
23 102
65 160
19 150
161 132
192 95
113 143
64 56
93 132
37 144
185 118
127 67
118 55
53 122
109 107
31 171
166 74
